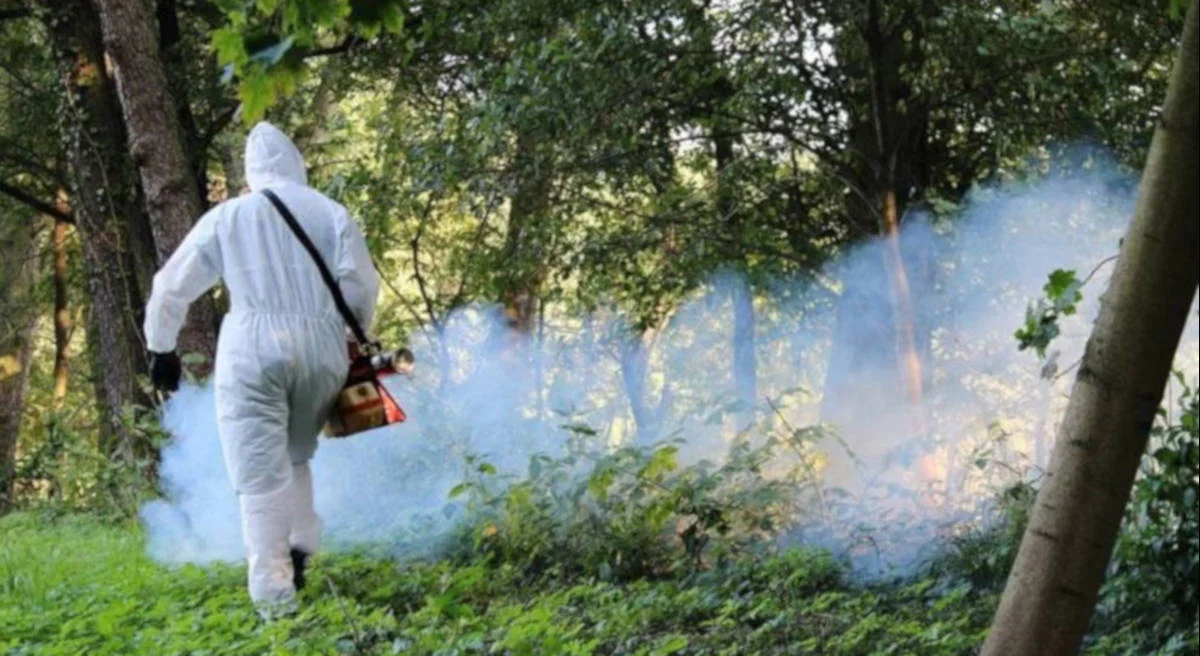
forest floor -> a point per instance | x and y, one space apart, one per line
78 585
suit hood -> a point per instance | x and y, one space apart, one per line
272 158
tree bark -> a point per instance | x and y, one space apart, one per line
157 146
103 196
17 320
1052 590
170 41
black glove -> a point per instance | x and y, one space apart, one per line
165 371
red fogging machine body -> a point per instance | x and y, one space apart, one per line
364 402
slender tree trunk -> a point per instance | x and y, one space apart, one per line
157 145
62 313
1052 590
877 319
103 196
885 53
18 317
522 243
635 361
745 368
902 303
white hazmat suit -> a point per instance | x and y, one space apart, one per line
281 357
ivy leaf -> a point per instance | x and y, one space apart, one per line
1060 284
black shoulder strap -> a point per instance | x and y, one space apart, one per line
338 299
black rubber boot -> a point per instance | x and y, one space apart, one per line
299 562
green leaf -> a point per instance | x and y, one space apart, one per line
661 462
257 93
599 483
1059 284
671 646
393 19
229 46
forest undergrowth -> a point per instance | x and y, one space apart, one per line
640 555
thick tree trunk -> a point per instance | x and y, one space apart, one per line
1052 590
170 41
103 197
157 145
62 313
17 319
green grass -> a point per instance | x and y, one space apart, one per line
75 585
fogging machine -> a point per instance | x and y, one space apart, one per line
364 402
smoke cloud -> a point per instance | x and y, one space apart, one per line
825 351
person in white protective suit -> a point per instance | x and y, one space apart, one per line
281 356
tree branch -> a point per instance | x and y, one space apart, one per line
346 44
35 203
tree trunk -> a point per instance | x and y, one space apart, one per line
62 313
885 53
745 369
877 319
522 242
170 41
902 303
635 362
1052 590
157 145
18 316
103 196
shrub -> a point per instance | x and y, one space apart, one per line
623 514
1154 580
